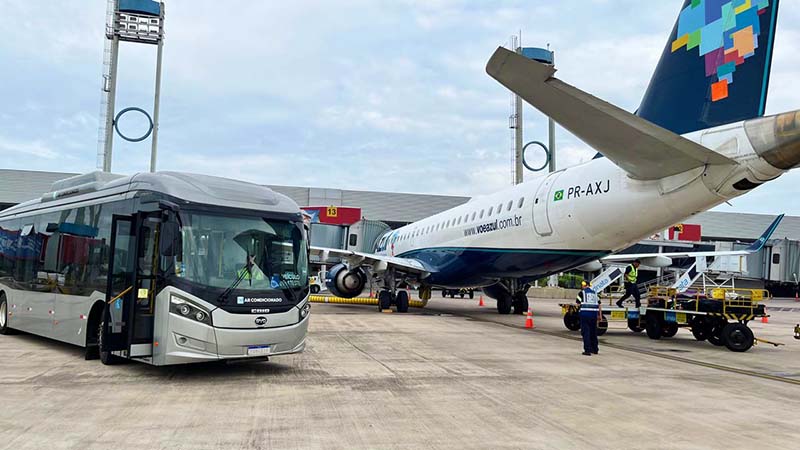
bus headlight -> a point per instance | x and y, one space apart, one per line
185 308
305 310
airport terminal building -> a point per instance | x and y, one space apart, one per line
777 264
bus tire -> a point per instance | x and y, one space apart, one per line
92 332
402 302
738 337
105 357
653 326
4 328
602 326
572 321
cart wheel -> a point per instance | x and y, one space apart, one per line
654 326
714 331
700 328
572 321
669 329
602 326
635 326
737 337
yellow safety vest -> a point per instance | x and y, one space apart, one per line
633 274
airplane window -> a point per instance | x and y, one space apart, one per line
459 220
499 208
448 224
491 208
510 204
481 216
521 201
473 216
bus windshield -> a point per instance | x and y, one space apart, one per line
266 254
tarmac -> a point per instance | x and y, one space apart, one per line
453 375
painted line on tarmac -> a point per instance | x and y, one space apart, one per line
695 362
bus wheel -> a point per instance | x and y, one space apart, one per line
402 302
4 329
737 337
669 329
572 321
653 326
635 326
105 356
93 332
602 326
715 333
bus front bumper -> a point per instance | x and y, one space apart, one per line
192 342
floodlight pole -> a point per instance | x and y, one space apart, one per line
157 100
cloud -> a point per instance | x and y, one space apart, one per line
357 94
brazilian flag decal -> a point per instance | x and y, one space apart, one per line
558 196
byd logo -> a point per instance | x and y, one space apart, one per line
261 321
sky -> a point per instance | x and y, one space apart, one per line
388 96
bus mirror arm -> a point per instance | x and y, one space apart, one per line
169 206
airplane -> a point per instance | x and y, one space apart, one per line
698 139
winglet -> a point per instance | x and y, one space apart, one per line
759 244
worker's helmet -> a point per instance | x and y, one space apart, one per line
584 284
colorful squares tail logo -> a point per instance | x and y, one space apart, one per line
558 196
725 32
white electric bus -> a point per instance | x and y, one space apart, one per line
164 268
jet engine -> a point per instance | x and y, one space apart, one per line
344 282
657 261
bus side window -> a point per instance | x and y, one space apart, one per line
9 229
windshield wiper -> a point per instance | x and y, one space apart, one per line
223 298
283 280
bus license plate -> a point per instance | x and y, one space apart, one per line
259 350
617 315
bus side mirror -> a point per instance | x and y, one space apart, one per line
170 241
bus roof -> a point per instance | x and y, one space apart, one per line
193 188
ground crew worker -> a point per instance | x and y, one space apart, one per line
589 313
631 288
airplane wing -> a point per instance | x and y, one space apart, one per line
754 247
644 150
379 263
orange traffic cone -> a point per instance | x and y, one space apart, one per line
797 296
480 303
529 319
765 318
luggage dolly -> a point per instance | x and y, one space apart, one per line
721 319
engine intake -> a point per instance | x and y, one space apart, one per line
346 283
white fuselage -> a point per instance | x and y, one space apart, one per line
594 206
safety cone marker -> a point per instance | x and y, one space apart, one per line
480 303
797 296
529 319
765 318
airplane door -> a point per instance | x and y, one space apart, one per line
541 205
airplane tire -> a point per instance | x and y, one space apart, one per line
314 289
402 302
471 294
737 337
520 304
504 304
384 300
572 321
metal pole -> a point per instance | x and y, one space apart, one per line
157 100
112 93
551 131
518 173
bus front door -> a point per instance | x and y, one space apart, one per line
131 289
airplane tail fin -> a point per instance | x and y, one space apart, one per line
715 67
759 244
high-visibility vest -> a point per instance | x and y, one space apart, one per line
589 301
632 275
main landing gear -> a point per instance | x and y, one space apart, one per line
510 295
392 296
